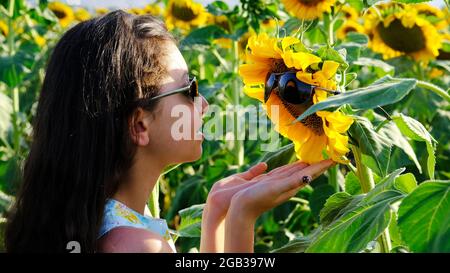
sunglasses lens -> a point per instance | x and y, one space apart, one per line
193 91
270 82
295 91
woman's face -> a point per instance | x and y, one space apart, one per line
174 135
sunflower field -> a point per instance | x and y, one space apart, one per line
380 71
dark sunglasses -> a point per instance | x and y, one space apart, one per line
190 90
291 89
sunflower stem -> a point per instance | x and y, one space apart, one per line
201 66
333 178
14 90
435 89
363 172
238 147
367 183
331 30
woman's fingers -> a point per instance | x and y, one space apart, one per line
254 171
297 179
287 168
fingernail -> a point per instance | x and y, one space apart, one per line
306 179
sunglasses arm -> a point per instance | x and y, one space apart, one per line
334 92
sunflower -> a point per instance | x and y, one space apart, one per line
39 40
349 12
4 28
400 31
319 133
444 55
82 15
153 9
185 14
63 12
308 9
221 21
101 11
136 11
432 14
349 26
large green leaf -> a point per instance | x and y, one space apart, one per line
335 206
319 197
376 149
424 217
391 132
387 92
191 221
203 36
278 158
416 131
356 228
356 220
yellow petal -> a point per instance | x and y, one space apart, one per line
302 60
329 69
255 91
311 151
253 73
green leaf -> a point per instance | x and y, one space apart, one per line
319 197
191 221
358 226
297 245
6 110
375 148
391 131
5 202
387 92
351 222
387 68
352 185
336 203
358 38
350 77
415 130
278 158
203 36
405 183
424 218
328 53
386 184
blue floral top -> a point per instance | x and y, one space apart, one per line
118 215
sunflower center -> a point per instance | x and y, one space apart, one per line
60 14
401 38
349 29
183 13
310 2
313 122
278 66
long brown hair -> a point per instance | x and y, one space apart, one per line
81 144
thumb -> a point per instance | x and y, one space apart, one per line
253 171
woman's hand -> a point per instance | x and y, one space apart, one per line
266 192
219 200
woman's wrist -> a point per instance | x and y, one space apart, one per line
212 230
239 229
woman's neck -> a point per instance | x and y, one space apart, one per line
138 183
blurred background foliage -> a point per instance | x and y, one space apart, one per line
213 42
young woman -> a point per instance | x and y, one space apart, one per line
103 135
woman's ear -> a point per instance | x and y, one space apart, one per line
139 127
